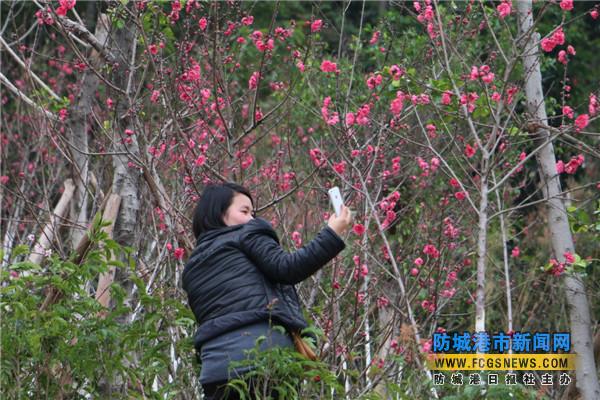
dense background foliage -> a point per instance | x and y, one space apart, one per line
416 110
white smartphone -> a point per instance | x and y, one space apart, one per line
336 199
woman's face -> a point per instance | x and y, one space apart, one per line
240 211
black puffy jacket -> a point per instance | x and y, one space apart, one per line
239 274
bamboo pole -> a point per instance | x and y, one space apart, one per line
107 278
51 228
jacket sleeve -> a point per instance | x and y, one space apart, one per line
260 243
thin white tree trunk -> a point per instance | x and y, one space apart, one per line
509 326
561 237
481 254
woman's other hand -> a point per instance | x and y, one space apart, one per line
342 223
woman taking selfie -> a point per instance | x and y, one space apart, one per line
239 282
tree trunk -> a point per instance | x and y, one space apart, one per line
78 137
481 253
561 238
126 178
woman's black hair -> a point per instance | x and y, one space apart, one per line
213 203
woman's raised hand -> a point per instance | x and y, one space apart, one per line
341 223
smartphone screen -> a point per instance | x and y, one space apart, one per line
336 199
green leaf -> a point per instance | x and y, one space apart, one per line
20 250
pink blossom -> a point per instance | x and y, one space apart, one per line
562 57
192 74
350 119
300 66
454 183
566 5
569 257
396 106
470 150
423 165
516 252
581 122
340 167
414 271
178 253
4 179
333 119
419 99
428 13
360 297
247 161
155 95
560 167
460 195
316 25
317 157
374 81
382 302
362 115
256 35
253 81
435 163
297 238
474 73
431 131
375 37
510 93
559 36
573 164
469 99
396 72
446 97
431 250
200 161
568 111
571 50
65 5
329 119
202 23
359 229
504 9
63 114
548 44
557 268
248 20
594 105
328 66
418 261
44 17
488 77
594 14
496 97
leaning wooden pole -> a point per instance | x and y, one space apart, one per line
107 278
561 237
51 228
